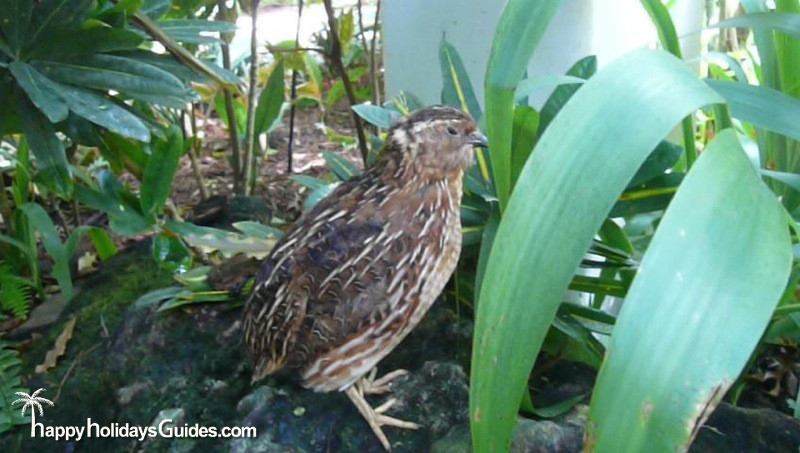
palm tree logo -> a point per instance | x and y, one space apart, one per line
34 402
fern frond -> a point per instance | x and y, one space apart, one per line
15 292
10 384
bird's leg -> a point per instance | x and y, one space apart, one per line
375 417
368 385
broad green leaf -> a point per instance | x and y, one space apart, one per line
103 112
732 63
167 63
309 181
160 295
40 90
526 131
790 179
531 85
788 23
228 243
761 106
257 229
703 287
70 43
457 90
519 30
663 157
583 69
312 69
589 153
341 167
15 16
160 171
270 101
52 15
109 72
375 115
51 158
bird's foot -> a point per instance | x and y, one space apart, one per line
368 385
375 417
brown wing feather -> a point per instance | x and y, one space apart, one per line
328 276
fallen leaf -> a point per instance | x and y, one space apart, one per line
60 347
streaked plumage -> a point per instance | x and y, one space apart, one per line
359 270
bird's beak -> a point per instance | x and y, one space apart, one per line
478 140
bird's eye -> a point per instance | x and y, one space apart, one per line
452 131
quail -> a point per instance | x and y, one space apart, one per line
357 272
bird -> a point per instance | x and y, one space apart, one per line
358 271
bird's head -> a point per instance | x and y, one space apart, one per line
436 140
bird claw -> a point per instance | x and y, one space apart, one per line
368 385
375 417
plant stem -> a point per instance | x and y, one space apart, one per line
293 95
5 207
193 153
336 57
249 139
236 158
373 61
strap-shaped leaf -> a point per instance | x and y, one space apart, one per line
109 72
788 23
159 172
53 15
761 106
69 43
51 159
588 153
457 90
270 101
15 16
707 287
103 112
40 90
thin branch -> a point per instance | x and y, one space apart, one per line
194 152
336 56
237 153
293 95
373 60
249 139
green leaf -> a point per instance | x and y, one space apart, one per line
51 158
788 23
71 43
346 31
583 69
341 167
40 90
653 195
126 75
15 16
590 155
457 90
378 116
103 112
526 127
761 106
309 181
705 287
53 15
519 30
531 85
160 171
257 229
669 40
270 101
51 241
191 30
662 158
102 243
659 14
